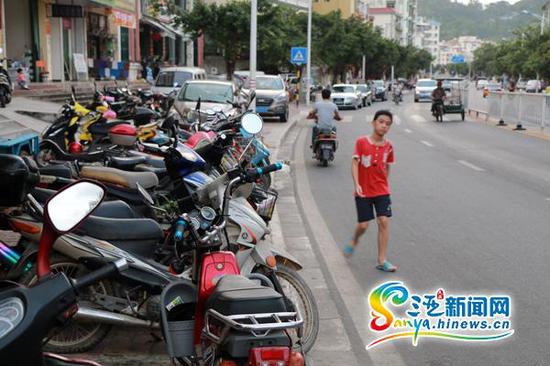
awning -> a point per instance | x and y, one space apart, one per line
186 37
168 32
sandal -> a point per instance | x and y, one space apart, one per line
386 267
348 251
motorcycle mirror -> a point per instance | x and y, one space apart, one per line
175 133
146 196
72 205
252 123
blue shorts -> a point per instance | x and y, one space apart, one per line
367 205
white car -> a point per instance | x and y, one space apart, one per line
423 90
346 96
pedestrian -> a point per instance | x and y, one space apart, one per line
22 79
370 171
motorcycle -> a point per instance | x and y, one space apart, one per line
438 110
324 146
29 314
5 90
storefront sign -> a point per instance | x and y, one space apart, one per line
124 19
80 64
128 5
65 11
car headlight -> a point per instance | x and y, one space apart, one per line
280 98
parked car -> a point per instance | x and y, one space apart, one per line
521 84
366 94
168 78
346 96
213 95
481 83
240 77
272 98
379 88
493 86
533 86
423 90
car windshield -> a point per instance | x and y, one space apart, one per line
427 83
532 83
168 78
343 89
362 88
208 92
263 83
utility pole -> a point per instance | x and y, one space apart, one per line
308 67
253 38
363 69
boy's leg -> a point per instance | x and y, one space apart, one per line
365 213
383 237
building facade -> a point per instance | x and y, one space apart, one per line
388 21
406 10
461 46
64 40
346 7
427 36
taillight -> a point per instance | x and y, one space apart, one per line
269 356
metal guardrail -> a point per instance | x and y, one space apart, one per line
527 109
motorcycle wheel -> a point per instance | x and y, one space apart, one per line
298 291
325 162
77 337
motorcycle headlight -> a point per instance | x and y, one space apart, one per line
12 311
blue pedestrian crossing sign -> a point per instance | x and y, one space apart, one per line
298 55
458 59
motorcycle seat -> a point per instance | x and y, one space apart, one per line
57 170
102 128
105 228
111 209
126 163
148 168
120 177
236 294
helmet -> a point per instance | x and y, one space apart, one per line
75 148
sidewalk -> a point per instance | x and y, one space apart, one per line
9 115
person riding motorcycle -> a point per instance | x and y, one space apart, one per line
397 91
438 95
325 113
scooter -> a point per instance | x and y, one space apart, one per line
324 146
29 314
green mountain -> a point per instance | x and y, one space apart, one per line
494 22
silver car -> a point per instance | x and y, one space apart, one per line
271 97
213 94
366 94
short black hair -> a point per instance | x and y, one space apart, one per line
19 70
325 93
383 112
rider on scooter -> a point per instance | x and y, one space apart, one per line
325 113
438 95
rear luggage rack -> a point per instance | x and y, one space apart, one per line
260 325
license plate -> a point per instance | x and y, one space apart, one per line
261 109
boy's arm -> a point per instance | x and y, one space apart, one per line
355 175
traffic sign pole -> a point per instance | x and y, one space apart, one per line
308 72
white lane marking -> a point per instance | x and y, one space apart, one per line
408 131
471 166
426 143
418 118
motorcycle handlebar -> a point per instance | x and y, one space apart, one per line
103 272
253 174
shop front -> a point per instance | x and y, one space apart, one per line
112 37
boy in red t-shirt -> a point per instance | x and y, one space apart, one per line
370 168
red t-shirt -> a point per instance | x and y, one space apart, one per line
373 166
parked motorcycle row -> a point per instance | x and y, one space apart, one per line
149 220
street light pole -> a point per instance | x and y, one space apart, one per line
253 38
308 69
